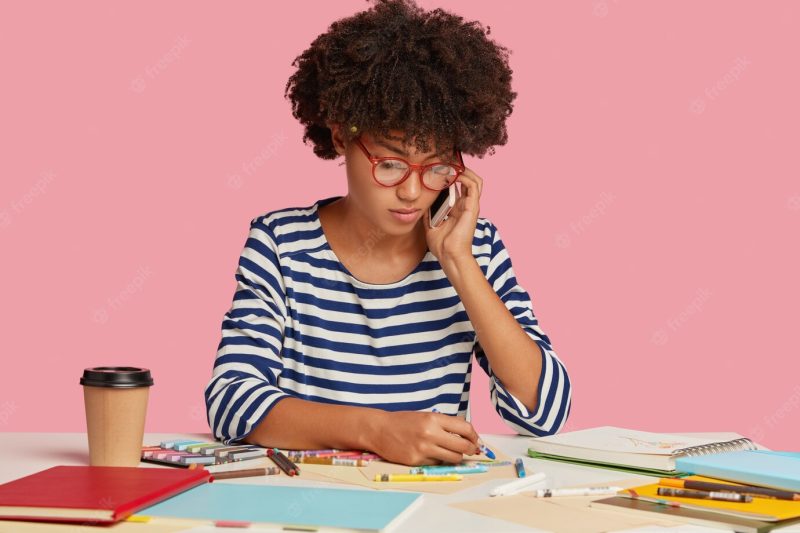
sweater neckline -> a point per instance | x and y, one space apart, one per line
327 246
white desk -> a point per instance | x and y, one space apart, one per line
22 454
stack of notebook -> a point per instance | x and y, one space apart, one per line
95 495
730 461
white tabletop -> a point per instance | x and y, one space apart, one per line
22 454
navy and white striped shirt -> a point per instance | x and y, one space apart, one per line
302 326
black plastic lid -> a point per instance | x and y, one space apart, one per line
117 377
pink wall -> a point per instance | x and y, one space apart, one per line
649 196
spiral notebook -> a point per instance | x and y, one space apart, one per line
629 449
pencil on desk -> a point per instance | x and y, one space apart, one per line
283 462
758 492
250 472
705 495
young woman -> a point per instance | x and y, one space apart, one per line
354 322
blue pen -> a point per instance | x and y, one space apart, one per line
520 468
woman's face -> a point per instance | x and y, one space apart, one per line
395 210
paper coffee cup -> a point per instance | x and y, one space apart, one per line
116 403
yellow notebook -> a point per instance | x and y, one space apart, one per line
766 509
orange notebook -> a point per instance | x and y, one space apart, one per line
92 494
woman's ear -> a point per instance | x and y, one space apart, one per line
337 138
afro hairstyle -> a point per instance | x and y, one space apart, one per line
395 66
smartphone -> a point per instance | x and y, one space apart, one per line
443 204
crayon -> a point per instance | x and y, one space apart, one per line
335 461
449 469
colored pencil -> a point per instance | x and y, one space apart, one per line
283 462
271 471
758 492
705 495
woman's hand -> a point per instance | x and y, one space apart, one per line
452 239
422 438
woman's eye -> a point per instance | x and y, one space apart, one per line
442 170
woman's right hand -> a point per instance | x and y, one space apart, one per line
423 438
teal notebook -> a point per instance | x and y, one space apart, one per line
331 509
780 470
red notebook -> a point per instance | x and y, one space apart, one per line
93 494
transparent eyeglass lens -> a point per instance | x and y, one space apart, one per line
436 177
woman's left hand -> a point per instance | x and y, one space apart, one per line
452 238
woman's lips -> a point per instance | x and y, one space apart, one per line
405 215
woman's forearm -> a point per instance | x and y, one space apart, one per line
515 358
297 424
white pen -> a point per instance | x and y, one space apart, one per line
588 491
517 485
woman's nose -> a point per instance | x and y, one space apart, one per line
410 189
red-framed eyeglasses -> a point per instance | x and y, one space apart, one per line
391 171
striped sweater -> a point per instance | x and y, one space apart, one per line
302 326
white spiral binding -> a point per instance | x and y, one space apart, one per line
736 445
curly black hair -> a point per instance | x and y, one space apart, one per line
396 66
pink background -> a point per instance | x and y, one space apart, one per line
649 197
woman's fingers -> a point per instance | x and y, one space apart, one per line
457 444
445 455
471 186
459 426
456 439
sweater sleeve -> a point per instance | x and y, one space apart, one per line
244 383
554 398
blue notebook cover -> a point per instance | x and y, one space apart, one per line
288 506
780 470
